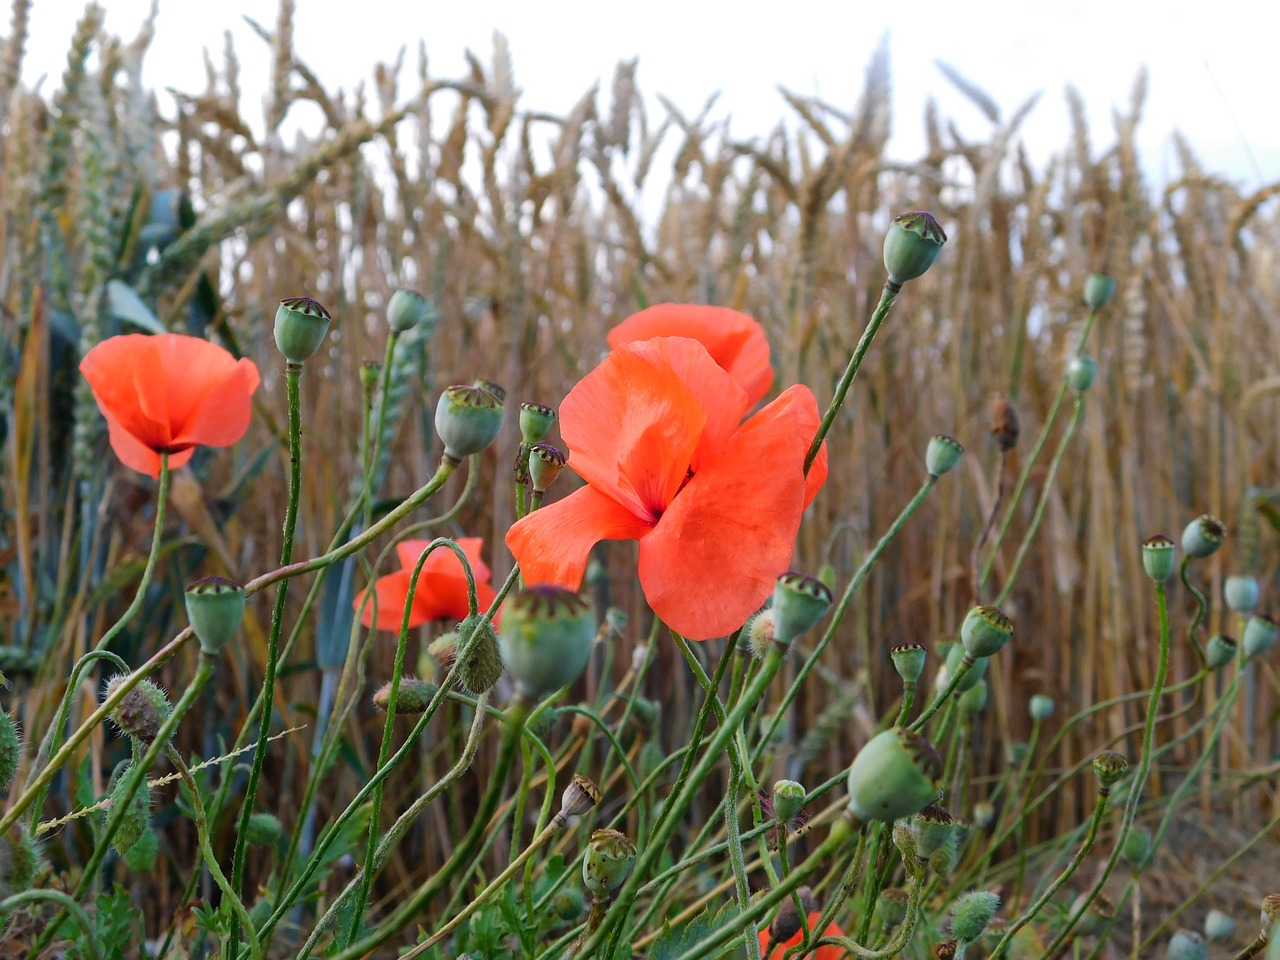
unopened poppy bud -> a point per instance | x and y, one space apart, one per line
10 749
1259 635
893 906
481 667
444 650
568 904
215 607
1218 926
1187 945
1268 914
141 712
908 659
1137 847
412 697
757 634
788 921
545 464
300 326
1219 651
1110 768
546 638
1097 915
1241 593
799 602
1040 707
608 861
1081 372
137 813
497 389
1158 557
407 309
788 798
911 246
264 830
141 857
984 814
941 455
1098 290
370 371
894 775
535 421
19 860
579 796
468 419
1203 536
931 828
1004 423
974 699
985 631
972 913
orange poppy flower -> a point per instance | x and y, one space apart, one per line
822 953
654 430
442 586
734 340
168 394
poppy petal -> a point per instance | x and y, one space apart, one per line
443 596
822 953
392 592
121 372
735 341
552 543
138 456
723 400
221 415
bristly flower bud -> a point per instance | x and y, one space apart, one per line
1110 768
788 799
19 860
610 854
1041 707
908 659
545 464
546 638
1218 926
985 631
1187 945
1004 423
535 421
799 602
1098 290
481 667
1081 372
10 750
300 326
411 699
942 454
137 816
972 913
1219 651
1203 536
788 922
1158 556
894 775
407 309
579 796
1259 635
215 608
1241 593
264 830
493 387
468 419
911 245
893 906
141 712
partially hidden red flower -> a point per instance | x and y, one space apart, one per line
441 593
168 394
734 340
655 431
822 953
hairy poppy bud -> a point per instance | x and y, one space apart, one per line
264 830
1219 651
467 420
141 712
1218 926
1040 707
1158 557
546 638
799 602
482 666
985 631
908 659
1098 290
10 749
911 246
545 464
137 814
1203 536
1187 945
757 634
19 861
893 776
412 697
972 913
407 309
300 326
1259 635
942 454
788 798
1241 593
608 861
215 607
1110 768
893 906
535 421
1081 372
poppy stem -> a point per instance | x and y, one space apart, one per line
887 298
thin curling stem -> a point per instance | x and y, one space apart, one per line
887 298
67 904
1201 605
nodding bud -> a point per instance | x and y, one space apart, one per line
535 421
10 749
908 659
468 419
579 796
942 454
894 775
788 799
1203 536
481 667
412 697
497 389
1098 290
1187 945
799 602
545 464
1241 593
1096 916
215 608
1268 914
407 309
142 711
546 638
1041 707
1004 423
1259 635
137 813
985 631
1219 651
1137 847
300 326
893 906
1158 557
972 913
610 854
1110 768
264 830
1218 926
974 699
1081 372
984 814
911 245
788 921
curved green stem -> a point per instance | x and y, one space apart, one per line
1201 605
68 905
966 664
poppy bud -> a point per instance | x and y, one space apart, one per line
10 749
19 860
972 913
893 776
370 370
1241 593
1268 915
407 309
1098 290
444 650
301 324
946 950
482 666
799 602
911 246
1041 707
608 861
1158 557
985 631
535 421
1081 372
215 607
974 699
1137 847
931 828
496 389
908 659
137 814
956 655
545 464
757 634
788 798
1203 536
984 814
141 857
1218 926
1219 651
1259 635
893 906
1187 945
412 698
1110 768
141 712
579 796
467 420
942 454
546 638
264 830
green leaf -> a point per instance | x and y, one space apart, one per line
127 306
673 943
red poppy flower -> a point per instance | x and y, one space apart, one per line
654 430
442 586
734 340
822 953
168 394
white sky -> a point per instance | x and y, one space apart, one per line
1211 73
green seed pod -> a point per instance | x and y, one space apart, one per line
893 906
788 799
908 660
1158 557
911 246
942 454
974 699
799 602
546 638
10 749
1098 290
1041 707
943 860
141 857
955 656
468 419
568 903
407 309
1137 847
579 796
411 699
985 631
264 830
1187 945
931 828
1219 651
984 814
535 421
482 666
141 712
545 464
215 608
1081 372
607 862
1203 536
893 776
1273 949
972 913
1110 768
1218 926
1259 635
301 324
1241 593
137 815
